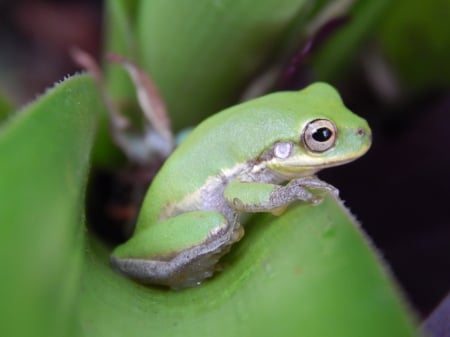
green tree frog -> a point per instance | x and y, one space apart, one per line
258 156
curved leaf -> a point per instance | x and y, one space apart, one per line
45 156
202 54
309 272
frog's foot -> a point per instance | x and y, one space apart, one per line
310 189
179 252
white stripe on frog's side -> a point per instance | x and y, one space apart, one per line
211 195
207 197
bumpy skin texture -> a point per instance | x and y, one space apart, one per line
236 161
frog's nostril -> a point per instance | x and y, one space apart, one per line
364 133
361 132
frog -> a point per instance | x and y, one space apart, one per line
259 156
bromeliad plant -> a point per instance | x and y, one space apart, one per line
308 272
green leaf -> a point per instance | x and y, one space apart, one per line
202 55
5 107
120 38
310 272
45 157
341 50
414 38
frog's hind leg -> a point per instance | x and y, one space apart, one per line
179 252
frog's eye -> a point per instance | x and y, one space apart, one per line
319 135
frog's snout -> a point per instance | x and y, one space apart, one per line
364 134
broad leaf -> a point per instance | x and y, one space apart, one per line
202 56
310 272
45 157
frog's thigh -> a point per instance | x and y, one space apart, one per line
178 252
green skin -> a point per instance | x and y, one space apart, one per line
252 157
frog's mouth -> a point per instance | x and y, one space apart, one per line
296 170
301 166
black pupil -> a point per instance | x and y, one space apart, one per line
322 134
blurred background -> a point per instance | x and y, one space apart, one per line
396 74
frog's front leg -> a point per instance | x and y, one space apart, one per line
263 197
178 252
